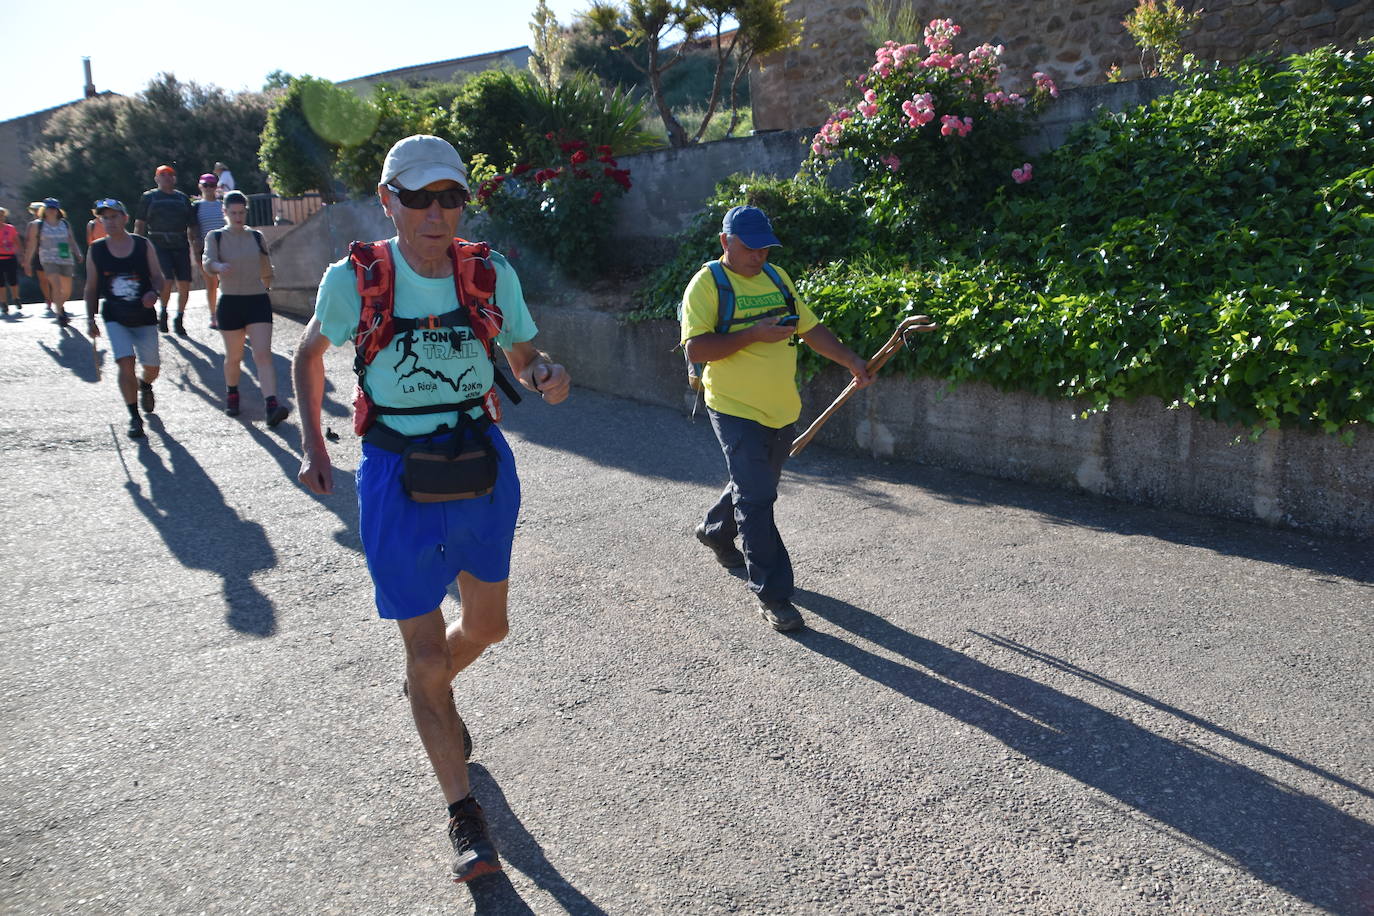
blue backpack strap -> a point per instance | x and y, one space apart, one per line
725 294
787 296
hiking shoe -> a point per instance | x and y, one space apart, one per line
146 398
162 321
231 404
63 320
781 615
474 854
179 325
136 428
728 556
277 414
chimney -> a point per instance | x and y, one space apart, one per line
90 83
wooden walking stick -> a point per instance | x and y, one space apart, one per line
914 324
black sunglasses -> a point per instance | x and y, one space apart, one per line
449 198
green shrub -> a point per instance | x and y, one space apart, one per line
396 112
1214 249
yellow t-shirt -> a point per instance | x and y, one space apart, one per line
758 382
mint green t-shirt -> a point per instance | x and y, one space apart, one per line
423 367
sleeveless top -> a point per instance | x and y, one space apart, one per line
54 243
123 283
9 241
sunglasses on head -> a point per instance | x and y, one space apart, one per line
109 204
449 198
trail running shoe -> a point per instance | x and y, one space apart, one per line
145 397
474 854
231 404
277 414
136 428
179 325
162 321
63 320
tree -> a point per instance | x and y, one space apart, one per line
645 25
550 47
109 146
304 130
277 79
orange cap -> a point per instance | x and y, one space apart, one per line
165 168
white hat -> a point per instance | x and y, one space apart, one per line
416 161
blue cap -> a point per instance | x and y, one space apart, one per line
751 226
52 203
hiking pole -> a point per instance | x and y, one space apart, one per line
914 324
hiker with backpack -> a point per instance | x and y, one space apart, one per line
9 264
437 487
53 244
740 317
165 216
237 256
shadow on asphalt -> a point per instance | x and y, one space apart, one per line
73 353
200 528
495 894
283 443
1334 556
1292 841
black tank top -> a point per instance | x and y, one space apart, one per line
123 283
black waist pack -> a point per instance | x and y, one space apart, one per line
437 473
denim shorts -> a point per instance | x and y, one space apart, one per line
415 550
141 341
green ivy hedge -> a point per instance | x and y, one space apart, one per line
1214 249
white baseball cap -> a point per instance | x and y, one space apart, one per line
416 161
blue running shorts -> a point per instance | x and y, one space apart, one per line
414 550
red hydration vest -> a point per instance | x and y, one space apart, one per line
474 280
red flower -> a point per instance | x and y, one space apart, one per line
549 135
579 157
521 168
619 176
603 150
596 198
572 145
608 160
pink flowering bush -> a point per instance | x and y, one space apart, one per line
934 127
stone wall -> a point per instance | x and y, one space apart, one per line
1139 451
1074 42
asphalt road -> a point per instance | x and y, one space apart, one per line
1007 700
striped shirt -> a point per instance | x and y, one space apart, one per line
210 216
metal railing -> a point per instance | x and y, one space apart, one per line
271 210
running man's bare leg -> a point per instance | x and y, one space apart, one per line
183 293
428 663
481 623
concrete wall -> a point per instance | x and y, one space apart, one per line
1074 41
1138 451
301 253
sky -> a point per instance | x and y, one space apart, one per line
131 41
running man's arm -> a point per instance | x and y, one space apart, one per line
537 371
92 296
307 371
